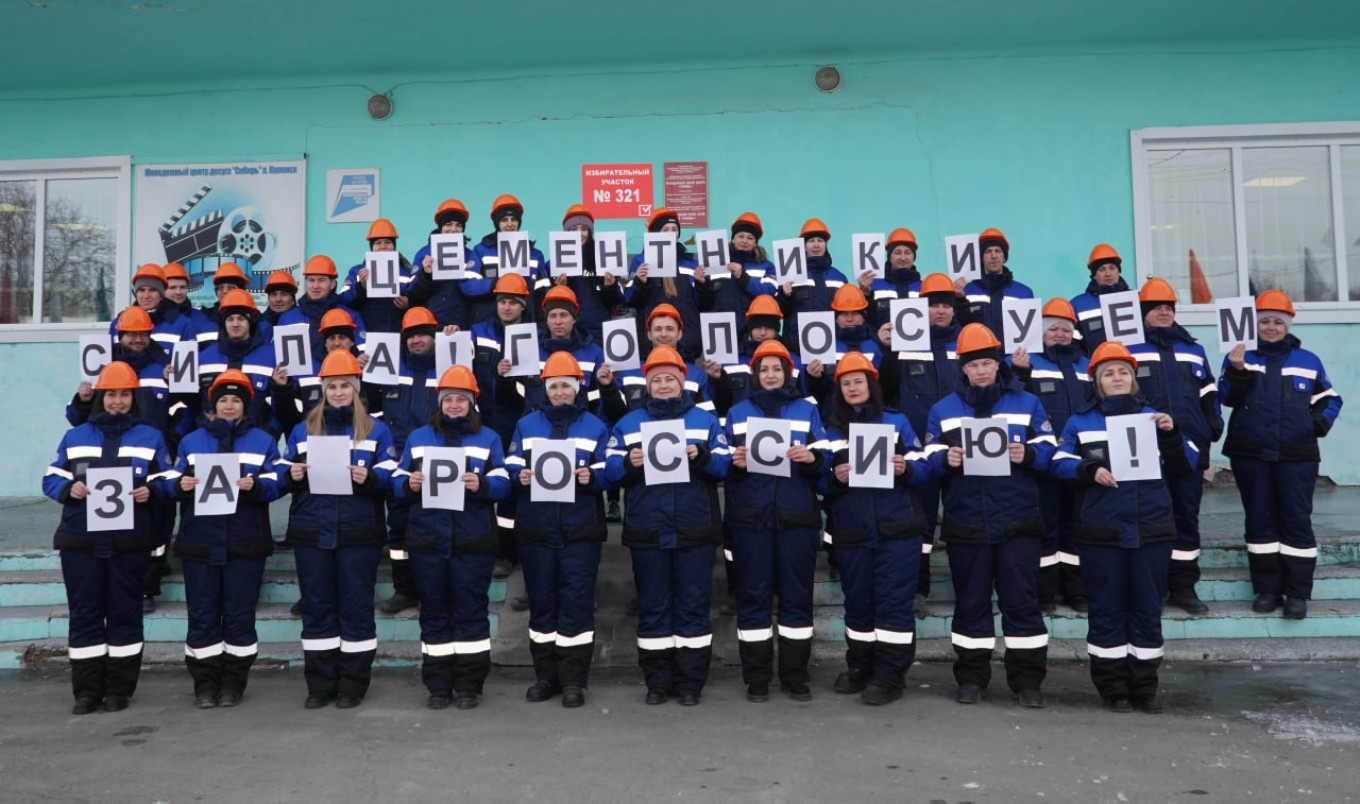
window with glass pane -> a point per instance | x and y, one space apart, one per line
1192 223
17 220
1291 245
1350 205
79 250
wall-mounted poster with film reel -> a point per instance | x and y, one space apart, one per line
203 215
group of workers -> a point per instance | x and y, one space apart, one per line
1056 525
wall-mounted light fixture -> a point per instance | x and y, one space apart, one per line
827 79
379 107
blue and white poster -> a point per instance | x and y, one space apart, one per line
203 215
352 195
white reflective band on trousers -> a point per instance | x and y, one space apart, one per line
1116 652
694 641
861 636
1146 654
894 637
583 638
323 643
87 652
1049 560
205 653
755 634
1185 555
793 632
542 638
440 649
362 646
1298 552
243 650
1263 547
972 643
656 643
397 555
1027 642
1071 559
927 547
727 554
122 651
466 647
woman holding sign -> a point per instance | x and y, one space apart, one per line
598 294
560 528
101 476
338 534
645 292
453 472
774 522
987 441
876 531
1124 530
1282 404
224 549
669 456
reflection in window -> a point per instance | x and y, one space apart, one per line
1291 244
79 250
17 219
1191 222
1350 203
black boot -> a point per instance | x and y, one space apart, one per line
356 670
469 674
207 677
658 673
321 669
546 685
87 681
794 655
691 671
573 665
235 675
120 676
757 662
859 662
436 672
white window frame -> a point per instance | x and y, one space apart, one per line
40 171
1234 138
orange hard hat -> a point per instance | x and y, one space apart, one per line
664 356
748 222
174 270
320 265
134 319
230 272
769 348
562 295
418 317
849 299
460 378
381 228
149 271
506 204
855 361
937 283
1275 301
117 376
280 280
659 217
237 300
1101 254
575 210
1059 308
562 364
900 237
511 285
976 338
1111 350
451 210
336 318
665 311
764 305
231 381
1157 290
993 237
813 227
340 363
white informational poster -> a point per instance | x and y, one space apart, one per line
866 254
620 345
565 252
1123 317
384 352
521 349
1022 325
767 447
512 249
449 253
872 447
911 324
96 352
986 447
719 337
611 253
1236 320
553 462
184 368
663 452
452 350
384 274
216 493
790 262
817 337
204 215
109 503
293 349
1133 450
328 460
962 256
710 248
353 195
444 468
659 254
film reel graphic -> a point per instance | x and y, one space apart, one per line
244 237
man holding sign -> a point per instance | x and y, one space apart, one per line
993 524
103 567
985 293
379 299
774 523
597 292
645 292
824 279
438 284
558 453
852 335
1174 376
1124 528
899 279
746 273
672 529
146 357
226 476
507 214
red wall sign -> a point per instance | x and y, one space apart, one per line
687 192
617 191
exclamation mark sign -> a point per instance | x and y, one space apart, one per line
1132 435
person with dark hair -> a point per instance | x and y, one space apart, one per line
507 214
380 314
824 279
452 551
749 273
223 555
645 293
597 294
104 570
337 539
985 295
444 297
876 538
1106 267
900 278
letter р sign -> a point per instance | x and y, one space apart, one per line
617 191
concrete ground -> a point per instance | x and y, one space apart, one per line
1232 733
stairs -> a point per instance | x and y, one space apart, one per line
33 609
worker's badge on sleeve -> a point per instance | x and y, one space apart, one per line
614 441
513 447
722 439
1046 427
392 452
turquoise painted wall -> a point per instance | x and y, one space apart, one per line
1037 144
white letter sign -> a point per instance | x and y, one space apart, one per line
184 368
866 254
443 488
553 462
512 248
659 253
663 450
611 253
1236 319
986 447
910 324
327 459
817 337
767 447
790 261
449 257
383 349
711 249
564 251
962 256
621 344
452 350
719 337
1021 325
293 345
384 274
521 349
872 447
1132 442
216 493
96 352
109 503
1123 317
